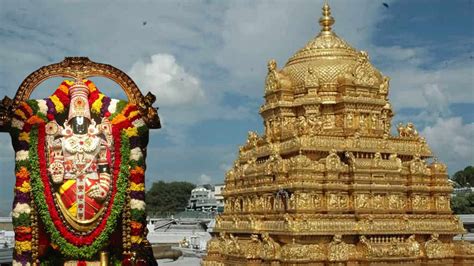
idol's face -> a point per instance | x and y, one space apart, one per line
79 125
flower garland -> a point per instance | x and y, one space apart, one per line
68 243
32 181
128 117
23 120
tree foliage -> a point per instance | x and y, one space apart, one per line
165 198
463 203
465 178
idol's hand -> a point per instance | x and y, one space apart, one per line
56 170
96 192
57 179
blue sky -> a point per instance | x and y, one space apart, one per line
206 63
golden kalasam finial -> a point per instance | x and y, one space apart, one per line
326 21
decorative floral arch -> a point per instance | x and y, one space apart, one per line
81 67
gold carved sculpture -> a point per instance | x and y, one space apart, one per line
327 183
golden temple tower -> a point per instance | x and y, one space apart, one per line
327 182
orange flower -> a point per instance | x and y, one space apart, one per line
64 88
92 87
118 119
136 225
137 170
23 230
35 120
27 108
23 173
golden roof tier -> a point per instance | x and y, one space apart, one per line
327 182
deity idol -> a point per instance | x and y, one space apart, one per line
80 160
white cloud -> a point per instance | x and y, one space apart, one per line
416 78
225 166
256 31
204 179
451 141
408 82
398 55
164 77
437 100
437 106
182 100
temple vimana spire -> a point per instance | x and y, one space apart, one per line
327 183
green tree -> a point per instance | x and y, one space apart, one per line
165 198
465 178
463 203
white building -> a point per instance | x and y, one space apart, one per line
207 198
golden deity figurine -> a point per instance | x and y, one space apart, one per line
327 183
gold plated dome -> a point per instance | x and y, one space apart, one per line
330 57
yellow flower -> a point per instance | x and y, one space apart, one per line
25 187
20 114
131 131
136 239
133 114
57 104
21 246
137 187
97 105
24 136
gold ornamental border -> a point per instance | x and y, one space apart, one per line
81 67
